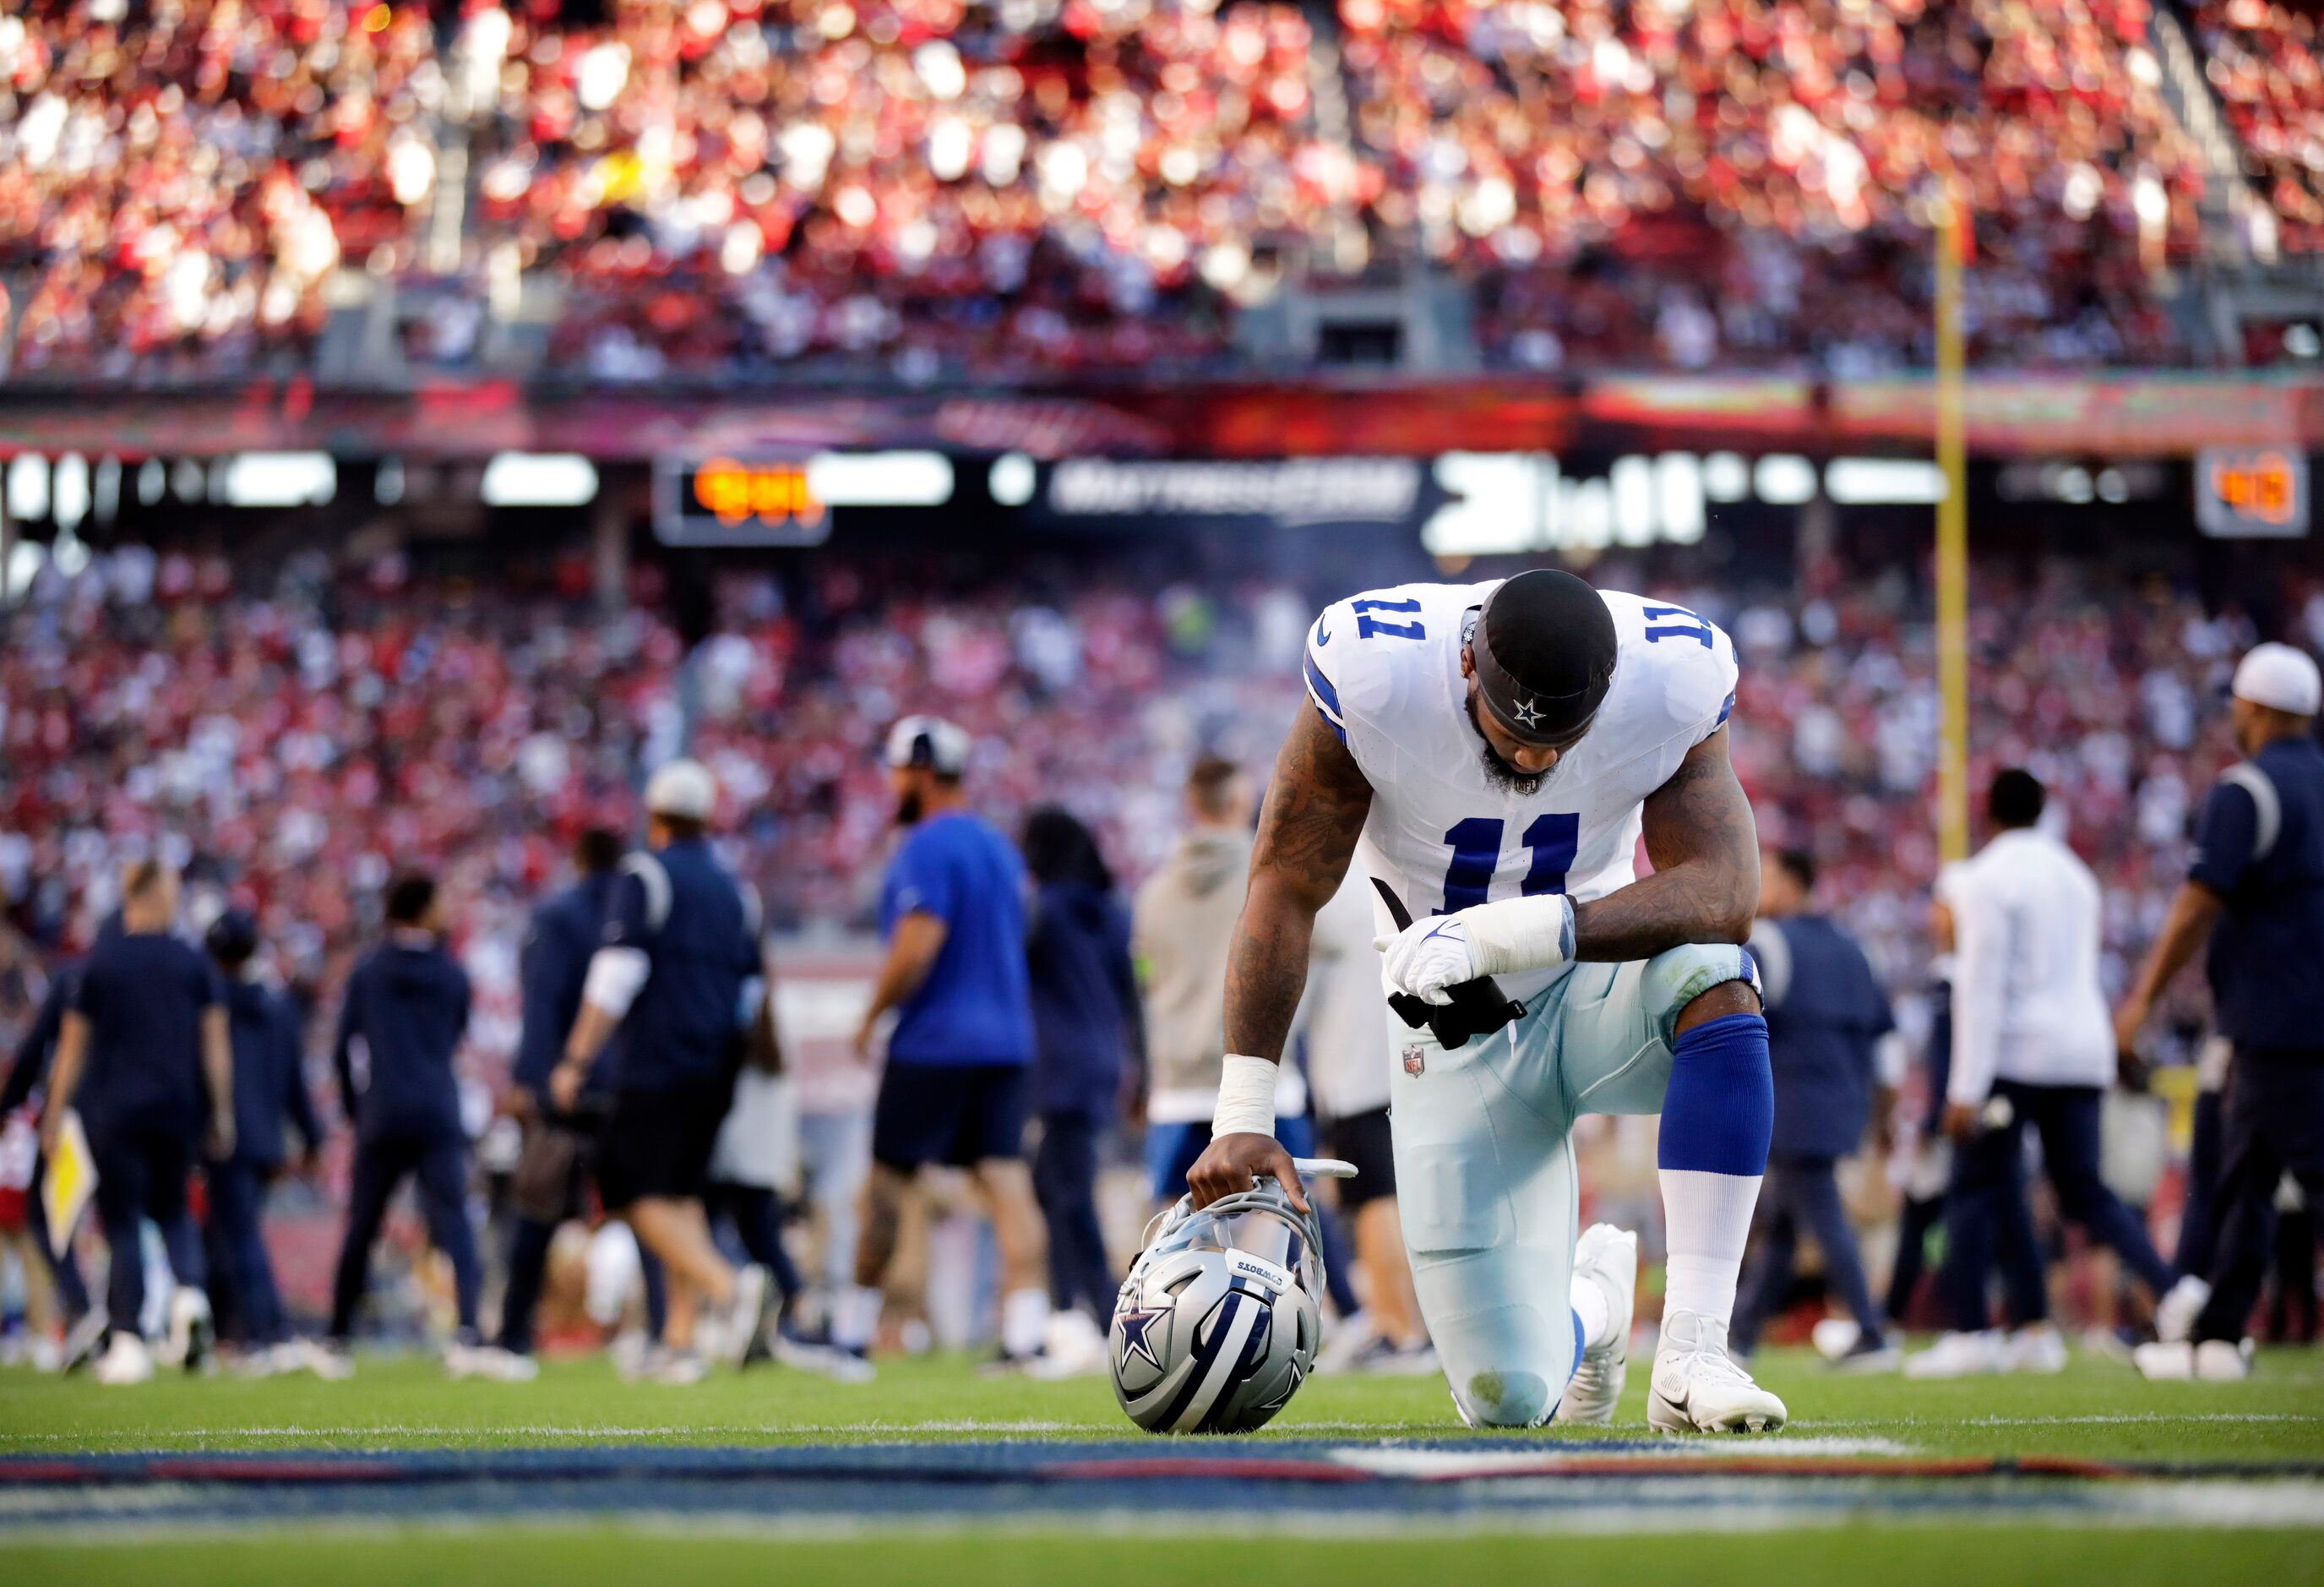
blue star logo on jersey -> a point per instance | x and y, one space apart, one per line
1133 1326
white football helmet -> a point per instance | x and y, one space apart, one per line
1217 1325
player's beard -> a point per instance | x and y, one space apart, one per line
1503 776
907 808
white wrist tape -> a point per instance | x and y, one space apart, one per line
1246 1097
616 976
1520 933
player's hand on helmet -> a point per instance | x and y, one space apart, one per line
1427 958
1231 1163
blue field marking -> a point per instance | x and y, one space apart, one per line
1220 1484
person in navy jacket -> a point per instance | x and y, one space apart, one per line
1086 1023
406 1010
554 1166
269 1086
1827 1017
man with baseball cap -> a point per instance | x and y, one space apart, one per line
957 1084
2256 892
676 982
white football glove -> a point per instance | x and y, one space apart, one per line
1426 958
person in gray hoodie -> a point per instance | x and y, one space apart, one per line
1181 926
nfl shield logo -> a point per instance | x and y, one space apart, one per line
1416 1060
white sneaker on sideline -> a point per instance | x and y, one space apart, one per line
747 1318
678 1368
1071 1347
825 1361
45 1354
332 1363
1698 1387
489 1361
1958 1355
2214 1360
1347 1339
1609 1257
1834 1337
193 1330
126 1361
2181 1304
85 1337
2036 1348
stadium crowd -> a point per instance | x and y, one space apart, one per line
735 184
2264 63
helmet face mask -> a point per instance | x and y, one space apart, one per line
1218 1322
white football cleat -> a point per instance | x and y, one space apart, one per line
1698 1387
1960 1355
2181 1304
1609 1257
2034 1348
126 1361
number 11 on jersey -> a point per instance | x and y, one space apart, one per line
1476 842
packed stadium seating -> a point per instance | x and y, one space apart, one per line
300 741
2264 64
929 187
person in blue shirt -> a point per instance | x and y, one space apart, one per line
1826 1015
407 1011
1086 1023
143 1052
269 1086
956 1088
2255 891
672 987
556 1163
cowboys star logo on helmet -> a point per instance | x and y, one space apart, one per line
1219 1320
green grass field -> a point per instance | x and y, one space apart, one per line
2096 1410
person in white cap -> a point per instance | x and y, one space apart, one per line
2255 892
678 978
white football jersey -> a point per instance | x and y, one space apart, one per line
1384 669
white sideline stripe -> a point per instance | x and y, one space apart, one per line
1452 1462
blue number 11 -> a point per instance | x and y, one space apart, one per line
1554 839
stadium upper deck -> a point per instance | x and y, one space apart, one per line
937 188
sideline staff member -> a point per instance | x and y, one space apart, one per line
554 1164
956 1086
676 984
2256 891
144 1038
1828 1024
407 1003
270 1087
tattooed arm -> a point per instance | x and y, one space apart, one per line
1315 808
1705 887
